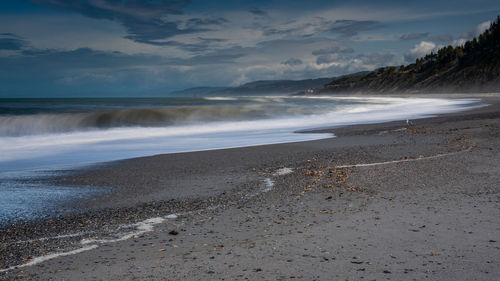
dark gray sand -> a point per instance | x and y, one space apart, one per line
426 207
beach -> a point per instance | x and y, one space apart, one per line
379 201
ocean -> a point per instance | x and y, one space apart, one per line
44 136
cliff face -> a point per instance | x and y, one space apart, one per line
473 67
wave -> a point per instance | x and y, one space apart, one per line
20 125
85 147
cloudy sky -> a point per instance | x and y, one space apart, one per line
103 48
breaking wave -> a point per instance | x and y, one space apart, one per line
20 125
45 140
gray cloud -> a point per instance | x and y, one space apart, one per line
82 72
325 59
197 22
292 62
352 27
83 58
420 50
258 12
414 36
346 28
333 50
331 54
226 56
145 21
443 38
212 40
12 42
203 44
269 31
377 59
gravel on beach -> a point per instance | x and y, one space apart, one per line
379 201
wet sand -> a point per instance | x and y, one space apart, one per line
426 206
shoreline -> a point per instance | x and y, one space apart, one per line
234 173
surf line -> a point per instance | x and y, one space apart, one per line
405 160
140 228
41 259
91 244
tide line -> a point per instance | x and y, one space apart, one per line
404 160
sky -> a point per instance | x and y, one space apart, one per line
140 48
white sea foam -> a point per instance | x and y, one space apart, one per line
117 143
283 171
41 259
140 228
220 98
269 185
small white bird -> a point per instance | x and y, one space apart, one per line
409 123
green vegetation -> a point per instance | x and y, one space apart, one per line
473 67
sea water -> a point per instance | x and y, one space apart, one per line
53 134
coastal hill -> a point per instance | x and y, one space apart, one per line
472 67
262 87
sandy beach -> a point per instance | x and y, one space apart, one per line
380 201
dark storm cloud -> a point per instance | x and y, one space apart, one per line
10 41
11 44
145 21
8 34
81 58
258 12
196 22
414 36
212 40
125 10
352 27
292 61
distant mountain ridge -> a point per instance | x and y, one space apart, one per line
473 67
262 87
